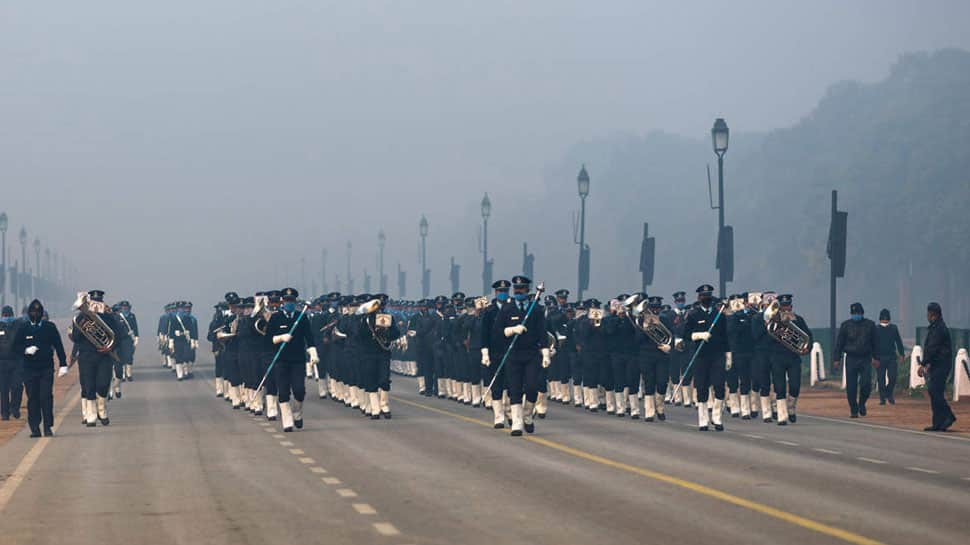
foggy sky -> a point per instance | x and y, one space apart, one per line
207 146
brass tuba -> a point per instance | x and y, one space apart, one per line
781 326
655 329
94 329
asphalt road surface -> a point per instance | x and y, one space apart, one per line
177 465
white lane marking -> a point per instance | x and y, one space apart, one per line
364 509
753 436
269 430
13 481
346 493
827 451
386 529
789 443
285 443
279 436
307 461
966 478
265 424
330 480
921 470
317 470
889 428
296 451
871 460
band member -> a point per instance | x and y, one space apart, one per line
293 335
181 338
266 303
193 327
761 364
678 358
857 341
38 340
163 340
215 325
226 335
935 367
890 347
592 351
94 364
11 365
129 322
786 366
557 321
493 347
375 334
654 360
472 340
124 348
710 335
625 370
741 345
528 354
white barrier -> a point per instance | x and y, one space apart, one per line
915 356
817 371
961 375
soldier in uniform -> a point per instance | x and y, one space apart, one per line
323 331
705 328
129 323
556 324
492 348
124 348
786 366
163 341
678 356
250 342
193 326
890 346
472 339
266 304
375 334
215 325
741 346
38 340
654 360
528 355
11 365
592 350
94 366
181 338
286 328
621 341
761 363
935 367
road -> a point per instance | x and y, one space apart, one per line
177 465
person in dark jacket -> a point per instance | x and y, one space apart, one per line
286 327
11 366
95 365
710 337
38 340
529 354
890 346
857 341
935 367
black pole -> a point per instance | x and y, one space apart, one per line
720 221
832 301
582 244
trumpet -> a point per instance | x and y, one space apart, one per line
781 326
655 329
596 316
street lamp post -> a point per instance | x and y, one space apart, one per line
425 280
582 183
3 280
35 279
486 269
23 267
382 280
350 280
719 138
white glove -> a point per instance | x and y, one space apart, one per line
161 337
31 350
312 352
665 348
546 358
412 333
727 361
135 340
515 330
195 344
171 345
403 343
700 336
284 338
62 370
486 361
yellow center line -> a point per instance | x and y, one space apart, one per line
779 514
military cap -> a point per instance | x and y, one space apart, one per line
248 301
96 295
333 296
856 308
562 293
501 285
232 298
705 289
655 301
521 281
458 296
785 299
680 296
289 294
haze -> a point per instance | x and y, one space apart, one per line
178 150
